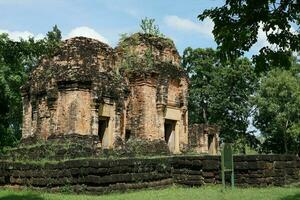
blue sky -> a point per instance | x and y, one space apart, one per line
107 19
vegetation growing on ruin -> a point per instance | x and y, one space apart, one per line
151 37
140 65
149 34
131 61
134 39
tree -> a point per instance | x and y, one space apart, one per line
148 26
220 93
278 111
17 59
202 66
236 26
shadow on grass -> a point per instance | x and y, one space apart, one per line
22 197
290 197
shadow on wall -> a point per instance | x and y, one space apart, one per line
291 197
22 197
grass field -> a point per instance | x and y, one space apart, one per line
177 193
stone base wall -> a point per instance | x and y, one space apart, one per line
88 175
267 170
103 176
249 170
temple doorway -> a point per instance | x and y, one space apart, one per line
170 133
103 131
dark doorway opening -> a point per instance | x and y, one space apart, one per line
210 141
127 134
169 130
102 126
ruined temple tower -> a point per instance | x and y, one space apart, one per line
137 90
157 107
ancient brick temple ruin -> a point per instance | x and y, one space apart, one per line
204 138
137 90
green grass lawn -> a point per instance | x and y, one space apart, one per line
177 193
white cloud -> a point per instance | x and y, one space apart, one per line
204 28
78 31
87 32
17 35
39 36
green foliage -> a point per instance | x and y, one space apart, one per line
149 33
131 62
201 64
220 93
148 26
134 61
17 59
54 37
278 110
123 36
236 28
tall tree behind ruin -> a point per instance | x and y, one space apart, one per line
220 94
278 110
17 59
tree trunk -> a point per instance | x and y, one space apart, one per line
285 144
204 116
285 137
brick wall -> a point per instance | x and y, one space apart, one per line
89 175
102 176
250 170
